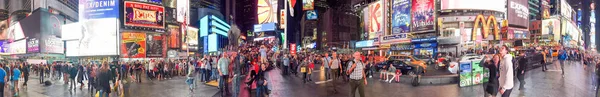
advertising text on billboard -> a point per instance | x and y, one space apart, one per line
94 9
154 45
144 15
518 13
422 15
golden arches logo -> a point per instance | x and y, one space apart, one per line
485 27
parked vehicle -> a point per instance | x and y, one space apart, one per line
398 64
410 60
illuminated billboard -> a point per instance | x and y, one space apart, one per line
133 45
308 4
311 15
267 11
489 5
400 16
422 15
144 15
374 19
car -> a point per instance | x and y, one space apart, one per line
398 64
410 59
428 60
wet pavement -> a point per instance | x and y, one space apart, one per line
578 82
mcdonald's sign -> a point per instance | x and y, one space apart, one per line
485 27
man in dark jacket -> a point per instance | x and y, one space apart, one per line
521 67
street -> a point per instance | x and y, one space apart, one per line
576 83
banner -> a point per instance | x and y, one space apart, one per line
293 48
401 16
133 45
174 41
422 15
154 45
144 15
518 13
183 10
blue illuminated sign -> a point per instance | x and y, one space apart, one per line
211 24
432 39
95 9
365 43
264 27
212 42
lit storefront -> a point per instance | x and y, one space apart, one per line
424 46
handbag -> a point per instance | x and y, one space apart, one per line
303 69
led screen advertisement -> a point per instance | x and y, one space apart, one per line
212 43
94 37
311 15
4 46
143 15
308 4
33 45
400 16
155 45
422 15
489 5
267 11
518 13
133 45
94 9
18 47
192 36
175 32
4 29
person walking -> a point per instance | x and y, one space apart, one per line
562 57
223 69
26 69
357 76
104 77
334 65
506 72
42 67
286 64
491 87
15 79
92 78
80 74
521 67
325 63
4 79
546 59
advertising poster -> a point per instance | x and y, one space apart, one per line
33 45
376 16
144 15
4 30
267 11
400 16
550 26
308 4
133 45
174 41
192 36
18 47
52 44
518 13
422 15
154 45
488 5
311 15
95 9
465 74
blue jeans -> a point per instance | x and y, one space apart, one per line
259 90
236 85
201 75
327 76
215 74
